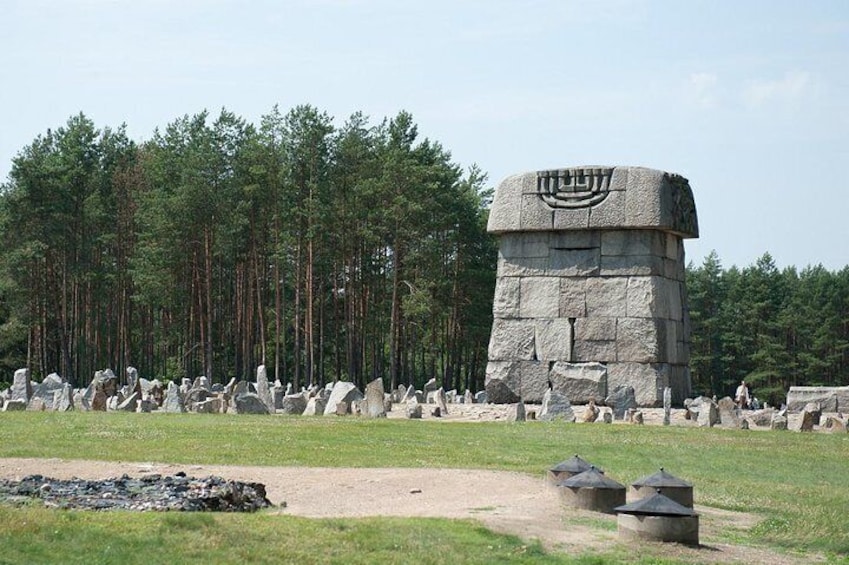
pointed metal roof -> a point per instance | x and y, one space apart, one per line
661 479
591 478
573 465
655 505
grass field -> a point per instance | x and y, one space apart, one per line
798 484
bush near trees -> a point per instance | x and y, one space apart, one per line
324 251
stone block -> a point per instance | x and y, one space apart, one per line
535 215
512 340
506 301
508 381
638 265
503 216
584 239
523 245
523 266
573 298
641 340
607 297
647 380
580 382
595 329
540 297
574 262
578 219
633 243
830 398
589 351
553 339
648 297
610 213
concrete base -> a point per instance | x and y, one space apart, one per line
597 500
679 529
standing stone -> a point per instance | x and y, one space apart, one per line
468 398
708 414
621 400
129 404
294 404
22 386
250 403
173 402
315 406
399 394
262 388
667 406
834 425
409 395
342 391
342 408
729 413
556 406
638 418
481 397
441 401
80 401
807 422
779 422
815 409
374 399
430 385
63 399
16 405
132 376
414 410
519 412
36 404
591 271
98 398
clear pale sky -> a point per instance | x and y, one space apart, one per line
747 99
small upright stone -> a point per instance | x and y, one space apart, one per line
414 410
294 404
808 420
374 400
22 386
779 422
342 391
556 406
620 400
667 405
729 412
441 401
590 413
263 390
519 412
430 385
708 414
468 398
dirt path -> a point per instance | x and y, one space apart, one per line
505 502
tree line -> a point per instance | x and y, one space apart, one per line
774 328
324 252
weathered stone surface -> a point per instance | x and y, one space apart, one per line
779 422
591 412
808 420
375 406
621 399
173 402
430 385
833 424
343 391
831 399
132 377
249 403
607 297
36 404
708 414
293 404
519 414
512 340
580 382
441 401
21 386
316 406
555 406
507 382
553 339
815 409
212 405
647 380
761 418
63 399
540 297
15 405
481 397
46 389
263 390
414 410
129 404
729 413
667 406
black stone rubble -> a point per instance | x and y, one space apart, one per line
147 493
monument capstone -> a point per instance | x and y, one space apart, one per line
590 281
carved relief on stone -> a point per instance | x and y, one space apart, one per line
574 188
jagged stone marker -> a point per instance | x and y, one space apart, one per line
591 275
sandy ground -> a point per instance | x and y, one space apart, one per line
505 502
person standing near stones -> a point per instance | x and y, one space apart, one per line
742 395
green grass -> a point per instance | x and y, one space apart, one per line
798 484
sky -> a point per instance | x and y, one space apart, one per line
747 99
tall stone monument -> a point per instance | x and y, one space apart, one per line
590 292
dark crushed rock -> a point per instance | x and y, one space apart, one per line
147 493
